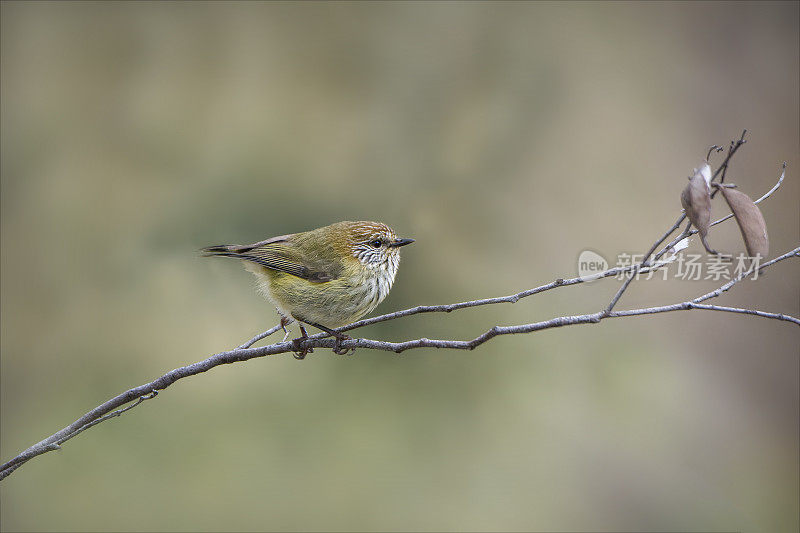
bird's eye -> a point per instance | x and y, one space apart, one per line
376 243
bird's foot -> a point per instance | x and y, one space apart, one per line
337 345
339 338
300 353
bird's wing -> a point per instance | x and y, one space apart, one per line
280 257
275 254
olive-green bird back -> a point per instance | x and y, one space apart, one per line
311 255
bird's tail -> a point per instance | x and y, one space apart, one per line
223 250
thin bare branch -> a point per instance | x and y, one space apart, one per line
714 148
114 406
625 284
118 412
687 306
743 275
260 336
723 168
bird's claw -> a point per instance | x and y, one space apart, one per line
299 352
337 345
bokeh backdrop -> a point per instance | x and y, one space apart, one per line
506 138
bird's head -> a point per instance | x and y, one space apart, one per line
375 244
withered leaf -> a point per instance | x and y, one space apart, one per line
751 221
696 200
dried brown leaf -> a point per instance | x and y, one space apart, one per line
696 200
751 222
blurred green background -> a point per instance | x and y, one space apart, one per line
506 138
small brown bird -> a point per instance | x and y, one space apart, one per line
327 277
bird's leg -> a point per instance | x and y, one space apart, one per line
337 347
300 354
285 322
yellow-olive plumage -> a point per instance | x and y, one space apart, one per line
329 276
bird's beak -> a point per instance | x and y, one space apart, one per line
401 242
